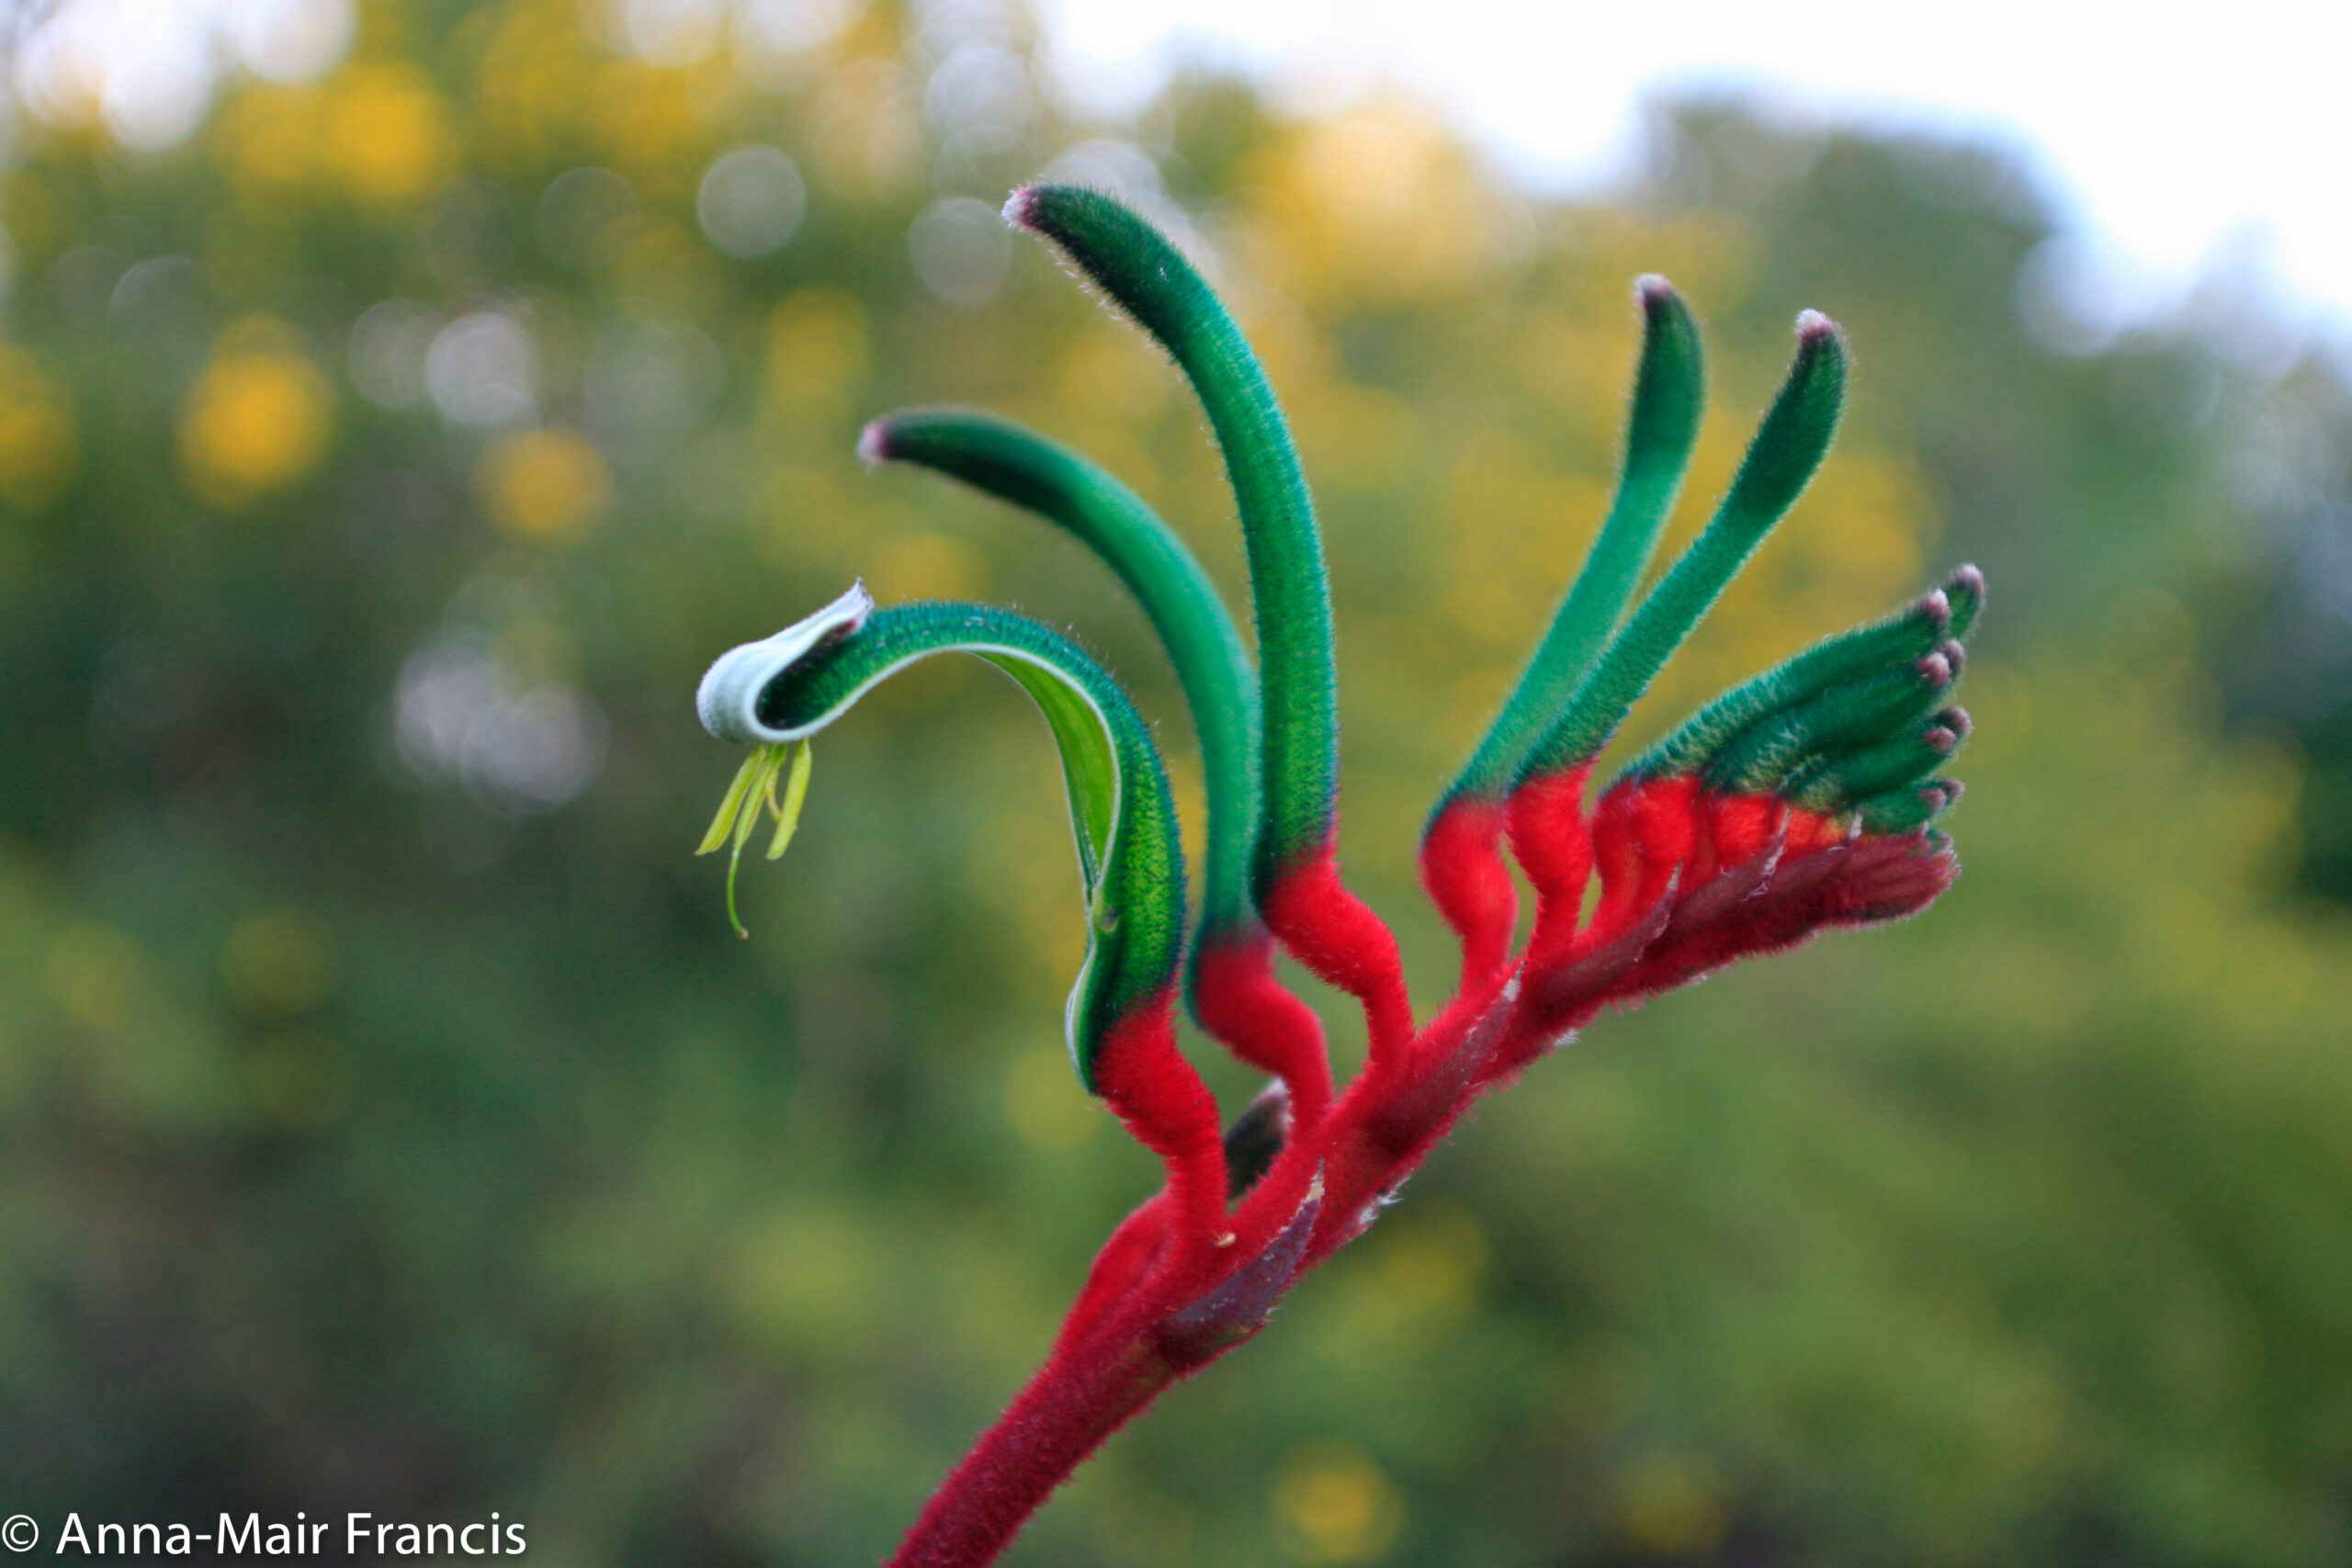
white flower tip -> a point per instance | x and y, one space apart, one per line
1813 326
728 700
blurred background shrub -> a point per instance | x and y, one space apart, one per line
390 1122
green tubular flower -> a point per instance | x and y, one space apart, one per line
1295 877
1460 850
786 688
1799 802
1788 449
1151 280
1669 393
1947 614
1020 466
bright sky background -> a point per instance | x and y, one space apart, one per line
2185 145
2183 138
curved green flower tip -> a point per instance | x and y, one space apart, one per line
1002 458
1796 433
728 700
1122 253
1849 716
1781 460
1965 595
1909 633
1833 785
1152 282
1661 428
1907 811
1131 866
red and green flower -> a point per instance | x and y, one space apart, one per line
1803 800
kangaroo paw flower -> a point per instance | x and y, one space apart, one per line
1800 801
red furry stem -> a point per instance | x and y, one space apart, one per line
1241 1004
1553 838
1069 1407
1174 1317
1163 1102
1463 870
1660 824
1339 939
1858 882
1118 1270
1385 1124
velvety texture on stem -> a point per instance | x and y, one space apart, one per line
1121 1035
1230 980
1797 803
1016 465
1323 925
1461 858
1780 462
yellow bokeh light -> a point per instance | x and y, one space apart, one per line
652 125
386 136
257 418
279 965
94 971
820 345
544 484
1671 1504
298 1081
928 565
268 137
1379 205
1335 1504
38 451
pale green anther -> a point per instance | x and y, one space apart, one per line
722 826
796 794
753 795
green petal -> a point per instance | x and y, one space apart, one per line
1023 468
1130 862
1157 287
1781 461
1670 392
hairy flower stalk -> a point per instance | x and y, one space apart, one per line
1800 801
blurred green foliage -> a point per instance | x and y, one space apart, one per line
390 1122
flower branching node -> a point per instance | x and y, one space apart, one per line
1803 800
